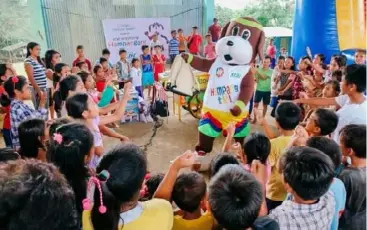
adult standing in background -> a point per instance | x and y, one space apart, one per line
81 57
214 30
36 73
271 51
194 41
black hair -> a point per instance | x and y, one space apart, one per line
143 47
152 184
83 75
10 86
327 120
308 171
293 67
79 47
48 58
356 74
215 19
122 51
173 31
354 137
235 197
134 60
68 84
281 58
102 60
179 30
69 156
8 154
58 123
267 57
80 64
58 70
96 68
256 146
35 195
337 74
31 133
30 46
189 190
105 51
321 56
3 69
158 46
220 160
127 166
335 84
327 146
76 105
340 60
288 115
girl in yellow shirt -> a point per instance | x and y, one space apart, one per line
113 204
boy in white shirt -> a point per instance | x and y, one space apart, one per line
136 75
352 102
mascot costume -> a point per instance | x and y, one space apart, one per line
231 84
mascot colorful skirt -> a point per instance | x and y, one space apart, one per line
231 84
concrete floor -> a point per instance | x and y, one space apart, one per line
172 139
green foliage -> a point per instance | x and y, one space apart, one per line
267 12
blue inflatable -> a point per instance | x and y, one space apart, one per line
329 27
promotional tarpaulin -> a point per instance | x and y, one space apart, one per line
131 33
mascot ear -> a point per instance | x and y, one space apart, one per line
260 46
224 30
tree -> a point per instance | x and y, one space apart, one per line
267 12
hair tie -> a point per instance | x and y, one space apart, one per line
92 183
57 137
15 80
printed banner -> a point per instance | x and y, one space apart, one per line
132 33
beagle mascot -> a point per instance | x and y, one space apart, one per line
231 83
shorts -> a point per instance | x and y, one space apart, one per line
274 100
147 79
50 97
139 89
262 96
211 127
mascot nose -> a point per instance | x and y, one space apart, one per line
230 43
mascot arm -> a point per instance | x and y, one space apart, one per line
247 90
199 63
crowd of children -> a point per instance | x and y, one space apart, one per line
310 173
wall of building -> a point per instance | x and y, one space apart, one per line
69 23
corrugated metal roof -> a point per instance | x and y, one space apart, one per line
70 23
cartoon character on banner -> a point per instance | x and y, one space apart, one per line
156 28
231 83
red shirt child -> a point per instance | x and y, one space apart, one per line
158 62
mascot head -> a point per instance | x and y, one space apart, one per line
241 40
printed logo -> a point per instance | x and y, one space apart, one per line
219 72
235 75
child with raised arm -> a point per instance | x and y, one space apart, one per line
352 104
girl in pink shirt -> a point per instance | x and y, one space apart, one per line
209 48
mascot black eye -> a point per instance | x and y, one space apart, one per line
235 31
246 34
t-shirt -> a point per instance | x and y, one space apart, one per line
135 74
182 43
284 78
209 51
270 51
205 222
338 189
274 187
77 60
263 85
274 86
214 31
354 215
123 70
173 46
194 43
349 114
39 72
157 214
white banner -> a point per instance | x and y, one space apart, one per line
132 33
